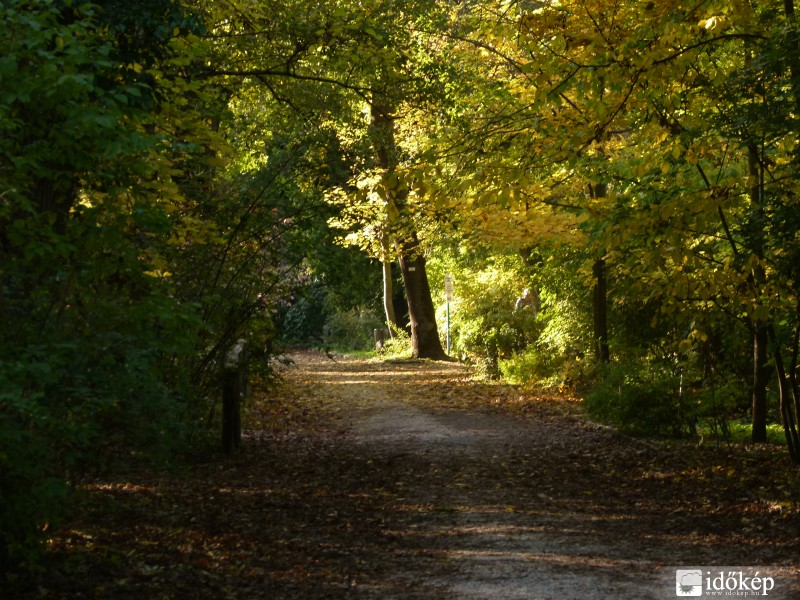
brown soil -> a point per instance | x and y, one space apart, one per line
409 479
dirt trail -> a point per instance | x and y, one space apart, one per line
363 479
484 501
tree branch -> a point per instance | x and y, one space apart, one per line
362 91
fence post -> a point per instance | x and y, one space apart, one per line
234 389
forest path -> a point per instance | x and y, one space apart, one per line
479 491
377 480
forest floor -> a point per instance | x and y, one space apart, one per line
379 479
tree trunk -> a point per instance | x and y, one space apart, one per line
600 294
793 51
788 400
788 386
600 311
760 379
425 340
757 279
388 288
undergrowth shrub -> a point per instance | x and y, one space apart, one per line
69 411
641 398
717 403
304 320
484 327
352 329
399 346
33 491
524 367
540 365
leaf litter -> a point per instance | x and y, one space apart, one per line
361 478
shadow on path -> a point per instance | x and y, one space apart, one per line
363 479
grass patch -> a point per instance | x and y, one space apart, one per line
740 432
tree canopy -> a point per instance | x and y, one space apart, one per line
176 176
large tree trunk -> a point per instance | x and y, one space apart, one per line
425 340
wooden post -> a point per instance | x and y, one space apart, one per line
234 389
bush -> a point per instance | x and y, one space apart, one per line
484 328
540 364
641 398
67 411
523 367
304 321
717 403
32 492
352 330
399 346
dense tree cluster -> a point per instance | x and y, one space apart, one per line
173 177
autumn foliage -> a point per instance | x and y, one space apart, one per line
177 176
